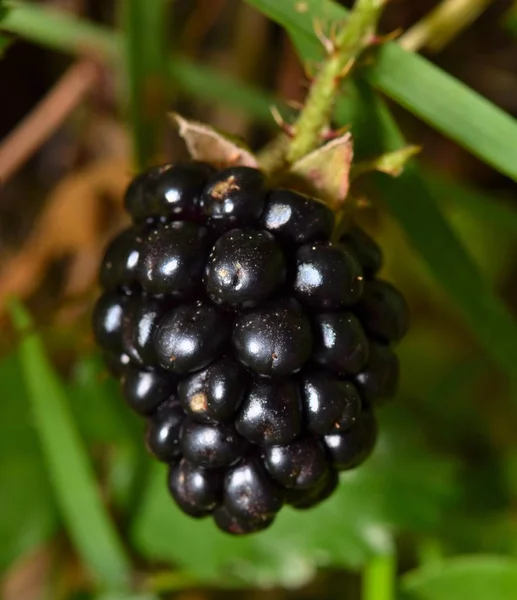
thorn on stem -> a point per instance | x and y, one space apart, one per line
326 41
280 121
378 40
345 71
310 67
295 104
331 134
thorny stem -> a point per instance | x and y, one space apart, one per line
356 35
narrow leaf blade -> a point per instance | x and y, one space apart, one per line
71 476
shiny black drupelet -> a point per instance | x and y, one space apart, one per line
256 348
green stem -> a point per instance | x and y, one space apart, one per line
349 43
379 577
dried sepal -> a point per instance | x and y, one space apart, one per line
325 172
206 144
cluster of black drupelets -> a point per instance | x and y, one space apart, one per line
255 347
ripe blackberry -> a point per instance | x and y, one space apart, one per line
340 343
172 258
271 413
350 448
365 249
197 491
244 268
214 394
256 348
170 191
297 219
163 431
329 403
384 311
249 492
211 445
328 277
190 337
144 391
301 464
234 197
118 268
275 340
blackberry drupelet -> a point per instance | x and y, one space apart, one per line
256 348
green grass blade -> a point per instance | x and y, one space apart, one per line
411 200
68 34
448 105
146 28
431 94
70 473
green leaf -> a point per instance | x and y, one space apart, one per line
401 486
477 577
412 81
66 33
146 26
448 105
29 515
67 463
411 201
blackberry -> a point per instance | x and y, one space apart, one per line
297 219
271 413
384 311
249 492
350 448
234 197
172 259
164 430
211 445
365 249
274 340
108 321
327 276
197 491
190 337
329 403
171 191
238 525
301 464
316 494
256 348
340 343
244 268
378 380
118 268
144 390
214 394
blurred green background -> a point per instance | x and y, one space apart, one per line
84 511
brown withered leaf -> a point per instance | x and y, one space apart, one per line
214 147
325 172
74 225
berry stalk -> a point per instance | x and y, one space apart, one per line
316 115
